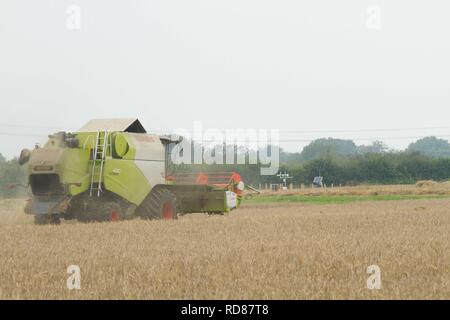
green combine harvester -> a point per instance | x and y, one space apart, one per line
111 169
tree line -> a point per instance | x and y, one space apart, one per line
343 162
370 168
338 161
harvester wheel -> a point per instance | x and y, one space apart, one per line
118 212
42 219
160 204
113 212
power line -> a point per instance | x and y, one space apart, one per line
282 131
8 125
342 130
369 139
14 134
365 130
354 139
280 140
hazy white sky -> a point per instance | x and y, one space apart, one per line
286 64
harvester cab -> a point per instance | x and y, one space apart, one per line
111 169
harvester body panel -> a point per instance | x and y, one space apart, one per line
94 174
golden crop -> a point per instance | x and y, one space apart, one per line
287 251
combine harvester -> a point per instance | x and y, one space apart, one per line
112 170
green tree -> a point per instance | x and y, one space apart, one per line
328 147
375 147
431 146
327 167
378 168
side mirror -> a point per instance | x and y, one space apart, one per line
24 156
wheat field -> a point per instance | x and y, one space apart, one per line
283 251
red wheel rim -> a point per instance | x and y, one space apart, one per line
167 211
114 216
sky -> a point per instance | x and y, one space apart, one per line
358 69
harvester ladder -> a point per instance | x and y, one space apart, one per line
98 162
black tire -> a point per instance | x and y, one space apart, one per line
43 219
161 203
